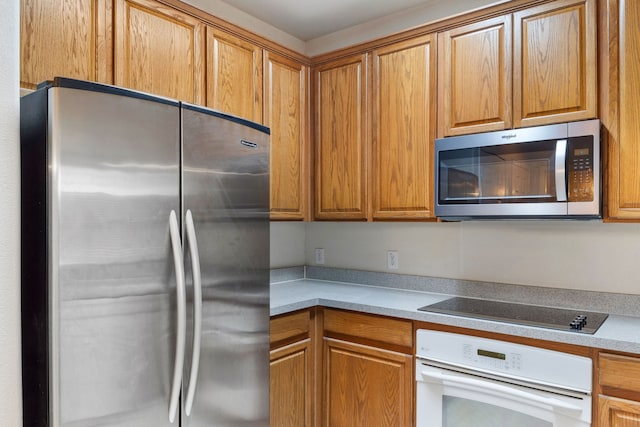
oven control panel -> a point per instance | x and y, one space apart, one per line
495 360
505 359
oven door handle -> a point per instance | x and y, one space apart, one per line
484 386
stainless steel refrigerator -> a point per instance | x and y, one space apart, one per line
145 261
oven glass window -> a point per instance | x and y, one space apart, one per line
459 412
509 173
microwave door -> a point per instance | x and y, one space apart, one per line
518 179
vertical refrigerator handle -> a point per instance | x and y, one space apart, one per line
174 231
197 310
561 186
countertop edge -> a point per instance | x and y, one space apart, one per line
604 338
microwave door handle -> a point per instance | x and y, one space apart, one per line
561 185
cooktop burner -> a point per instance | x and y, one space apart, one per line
523 314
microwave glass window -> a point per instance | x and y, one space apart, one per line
512 173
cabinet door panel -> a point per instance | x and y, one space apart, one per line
555 63
286 114
474 64
290 392
403 129
615 412
234 75
159 50
622 112
341 139
63 38
365 386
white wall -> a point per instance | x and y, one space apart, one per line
288 244
10 391
566 254
394 23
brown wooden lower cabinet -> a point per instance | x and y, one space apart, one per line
292 370
366 386
619 382
614 412
290 396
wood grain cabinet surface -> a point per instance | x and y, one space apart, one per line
555 67
404 124
286 106
619 382
341 139
367 370
291 393
366 386
67 38
158 49
234 75
547 75
618 412
620 39
475 72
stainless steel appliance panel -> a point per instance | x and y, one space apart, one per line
226 190
550 171
114 179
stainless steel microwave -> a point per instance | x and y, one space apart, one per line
548 171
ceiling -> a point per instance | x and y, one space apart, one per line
310 19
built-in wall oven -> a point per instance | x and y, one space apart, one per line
467 381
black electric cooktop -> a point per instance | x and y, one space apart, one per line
531 315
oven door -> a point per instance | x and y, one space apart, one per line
447 398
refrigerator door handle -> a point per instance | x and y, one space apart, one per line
197 310
174 231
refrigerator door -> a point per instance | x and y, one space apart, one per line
226 190
114 180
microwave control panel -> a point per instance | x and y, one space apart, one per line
580 169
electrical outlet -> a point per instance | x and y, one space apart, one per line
319 256
393 260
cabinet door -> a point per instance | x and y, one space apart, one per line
555 67
341 139
65 38
403 120
615 412
159 50
621 112
286 114
474 70
291 391
234 75
366 386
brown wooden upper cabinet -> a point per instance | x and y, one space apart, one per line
65 38
341 139
234 75
158 49
474 67
555 68
547 76
403 122
620 112
286 114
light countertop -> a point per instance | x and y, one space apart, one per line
619 332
